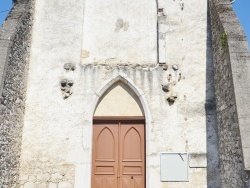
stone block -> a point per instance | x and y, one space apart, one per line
244 122
197 160
41 185
246 156
4 56
56 177
52 185
242 104
29 185
43 177
237 46
245 138
64 185
23 177
8 29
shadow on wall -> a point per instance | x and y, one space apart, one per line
213 162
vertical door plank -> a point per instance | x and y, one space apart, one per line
132 156
105 156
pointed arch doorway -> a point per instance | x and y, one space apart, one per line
118 152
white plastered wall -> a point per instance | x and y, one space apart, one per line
118 31
57 133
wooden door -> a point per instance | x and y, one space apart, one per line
132 156
118 157
105 156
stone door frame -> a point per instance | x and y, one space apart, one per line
83 170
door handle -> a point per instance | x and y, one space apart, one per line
132 177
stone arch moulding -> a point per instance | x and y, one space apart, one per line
106 85
83 170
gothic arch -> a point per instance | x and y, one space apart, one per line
83 172
106 85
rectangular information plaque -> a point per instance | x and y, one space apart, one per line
174 166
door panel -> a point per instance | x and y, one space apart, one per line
105 144
118 158
131 144
105 156
132 158
138 182
126 183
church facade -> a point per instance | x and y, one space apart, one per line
125 94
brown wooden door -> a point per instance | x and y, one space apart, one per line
132 163
105 156
118 157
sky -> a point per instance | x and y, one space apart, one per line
5 6
241 7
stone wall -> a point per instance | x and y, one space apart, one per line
231 64
57 133
14 53
57 142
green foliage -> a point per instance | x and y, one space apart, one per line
224 40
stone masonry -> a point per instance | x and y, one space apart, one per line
70 61
231 64
14 57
